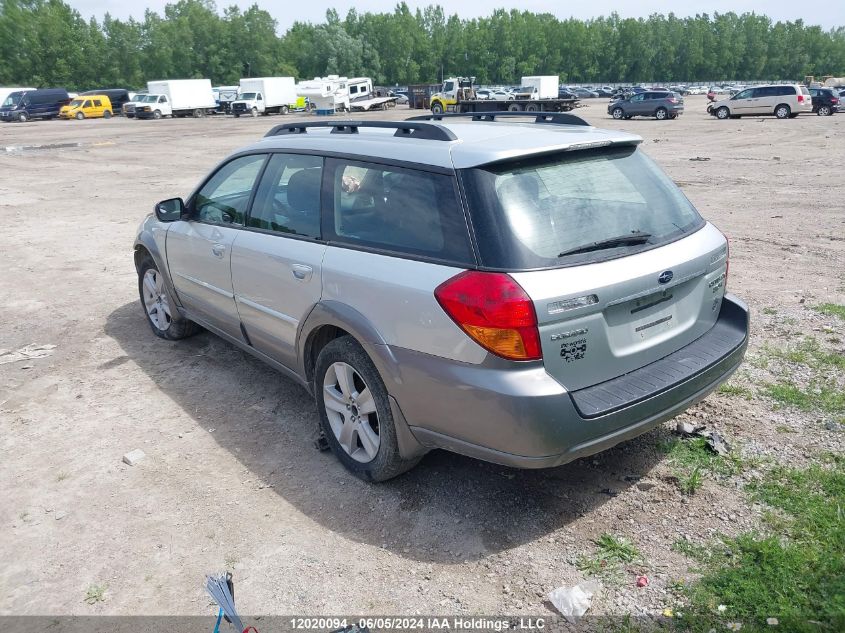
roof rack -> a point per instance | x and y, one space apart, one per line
427 131
554 118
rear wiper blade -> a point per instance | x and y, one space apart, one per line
636 237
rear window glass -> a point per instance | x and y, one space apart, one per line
406 211
527 213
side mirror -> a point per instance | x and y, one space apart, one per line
170 210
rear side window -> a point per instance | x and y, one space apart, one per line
400 210
527 213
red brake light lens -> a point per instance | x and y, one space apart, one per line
800 98
494 311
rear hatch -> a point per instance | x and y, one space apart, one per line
620 267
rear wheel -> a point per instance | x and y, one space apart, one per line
514 107
782 111
532 107
723 113
107 114
661 114
162 316
199 113
824 110
285 109
618 113
355 414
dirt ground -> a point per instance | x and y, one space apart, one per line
230 478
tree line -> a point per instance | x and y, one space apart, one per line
48 43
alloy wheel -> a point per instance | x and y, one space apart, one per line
351 411
156 301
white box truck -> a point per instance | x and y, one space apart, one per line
177 97
539 87
265 95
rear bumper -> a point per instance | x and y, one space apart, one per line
522 417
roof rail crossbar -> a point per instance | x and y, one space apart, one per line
427 131
554 118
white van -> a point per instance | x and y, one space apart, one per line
785 101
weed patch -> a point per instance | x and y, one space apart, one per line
831 309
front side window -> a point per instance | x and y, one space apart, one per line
224 197
87 104
288 197
400 210
533 213
745 94
638 97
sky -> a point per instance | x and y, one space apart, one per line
825 13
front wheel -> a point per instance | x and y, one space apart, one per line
162 316
782 111
661 114
254 112
617 113
355 414
514 107
157 114
723 113
437 108
79 116
23 117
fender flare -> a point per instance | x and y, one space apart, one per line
146 242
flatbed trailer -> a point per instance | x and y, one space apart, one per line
514 105
376 103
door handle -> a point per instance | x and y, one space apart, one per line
218 250
302 272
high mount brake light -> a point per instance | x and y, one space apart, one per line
494 311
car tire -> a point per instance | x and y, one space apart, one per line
106 114
661 114
723 113
532 107
23 117
514 107
237 116
618 113
365 444
782 111
285 109
437 108
254 112
157 114
824 110
165 321
79 116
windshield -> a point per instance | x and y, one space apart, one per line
248 96
13 99
76 103
146 98
527 213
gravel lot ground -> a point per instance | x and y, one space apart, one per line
230 479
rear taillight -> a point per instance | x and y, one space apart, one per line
673 100
800 98
834 100
494 311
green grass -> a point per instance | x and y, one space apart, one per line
95 594
825 396
735 390
831 309
795 573
611 553
692 461
769 311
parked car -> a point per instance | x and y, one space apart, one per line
603 92
87 107
782 100
825 101
583 93
658 104
588 306
24 105
117 97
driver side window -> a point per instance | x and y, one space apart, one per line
224 198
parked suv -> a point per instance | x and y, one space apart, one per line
783 101
525 293
661 104
825 101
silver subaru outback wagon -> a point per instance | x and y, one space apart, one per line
522 291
